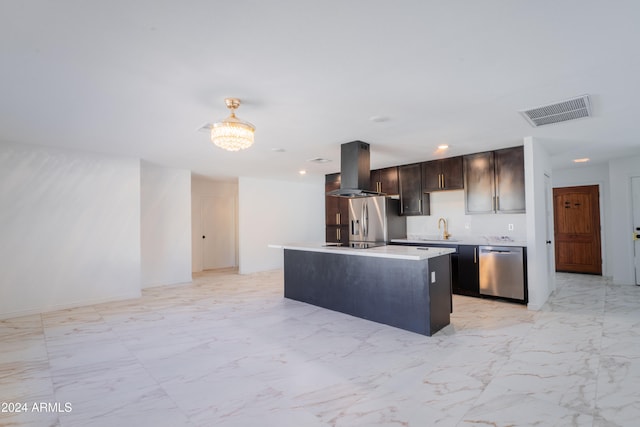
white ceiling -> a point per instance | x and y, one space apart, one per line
138 78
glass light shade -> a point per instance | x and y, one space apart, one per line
232 134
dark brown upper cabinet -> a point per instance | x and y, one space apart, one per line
413 201
509 164
385 181
441 175
494 181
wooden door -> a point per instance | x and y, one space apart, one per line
576 217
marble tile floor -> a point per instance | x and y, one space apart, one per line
229 350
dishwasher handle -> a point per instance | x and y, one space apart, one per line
500 251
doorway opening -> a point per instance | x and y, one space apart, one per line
576 218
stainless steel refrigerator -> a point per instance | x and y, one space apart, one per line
374 221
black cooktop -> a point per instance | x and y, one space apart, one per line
365 245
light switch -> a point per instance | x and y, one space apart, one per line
433 277
510 227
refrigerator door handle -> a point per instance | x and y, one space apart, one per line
365 220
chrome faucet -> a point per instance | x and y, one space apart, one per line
446 234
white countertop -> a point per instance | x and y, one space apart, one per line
391 251
473 240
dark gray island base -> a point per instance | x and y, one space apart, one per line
411 294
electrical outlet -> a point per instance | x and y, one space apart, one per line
510 227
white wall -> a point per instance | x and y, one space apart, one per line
165 208
593 175
70 227
450 205
620 173
277 212
537 164
202 187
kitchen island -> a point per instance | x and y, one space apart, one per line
400 286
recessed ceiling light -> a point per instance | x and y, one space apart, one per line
302 172
443 146
583 160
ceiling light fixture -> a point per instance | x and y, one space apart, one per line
443 146
583 160
232 133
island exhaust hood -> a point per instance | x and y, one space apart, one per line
354 171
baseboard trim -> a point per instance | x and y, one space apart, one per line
65 306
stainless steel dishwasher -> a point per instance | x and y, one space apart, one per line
502 271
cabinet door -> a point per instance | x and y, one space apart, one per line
335 234
389 181
374 180
411 196
451 170
431 176
509 164
332 182
336 210
444 174
468 271
385 181
479 184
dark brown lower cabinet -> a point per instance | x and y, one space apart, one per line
337 234
468 282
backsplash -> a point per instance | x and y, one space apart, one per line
450 206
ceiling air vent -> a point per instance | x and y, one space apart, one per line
319 160
571 109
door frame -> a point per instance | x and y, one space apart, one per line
549 225
633 179
603 217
